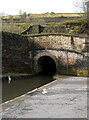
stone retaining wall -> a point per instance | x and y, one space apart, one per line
59 42
19 52
15 53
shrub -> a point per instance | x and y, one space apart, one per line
52 13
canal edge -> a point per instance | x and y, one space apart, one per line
23 97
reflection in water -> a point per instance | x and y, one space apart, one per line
19 87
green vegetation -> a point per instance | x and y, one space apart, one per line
14 74
74 26
52 14
84 72
46 34
68 23
15 27
70 72
75 22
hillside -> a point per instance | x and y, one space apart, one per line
54 23
52 14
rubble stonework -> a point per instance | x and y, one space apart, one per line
21 53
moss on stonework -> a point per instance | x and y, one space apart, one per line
84 72
69 71
47 34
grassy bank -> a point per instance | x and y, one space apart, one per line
52 14
19 23
62 27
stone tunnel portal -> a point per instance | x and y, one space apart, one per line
46 65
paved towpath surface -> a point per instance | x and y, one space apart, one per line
64 99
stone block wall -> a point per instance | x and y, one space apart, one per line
66 49
15 53
18 52
59 42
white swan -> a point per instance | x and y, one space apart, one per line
9 79
44 91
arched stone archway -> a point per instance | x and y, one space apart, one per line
45 63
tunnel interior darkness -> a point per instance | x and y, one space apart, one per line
46 65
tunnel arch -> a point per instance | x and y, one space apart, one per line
45 53
46 65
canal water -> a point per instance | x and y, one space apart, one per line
19 87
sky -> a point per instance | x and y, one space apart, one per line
12 7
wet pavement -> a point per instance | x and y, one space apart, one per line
66 97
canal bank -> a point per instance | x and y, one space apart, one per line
66 97
16 75
14 86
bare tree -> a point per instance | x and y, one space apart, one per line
22 16
80 6
2 14
87 3
20 12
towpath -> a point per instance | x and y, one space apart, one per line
66 97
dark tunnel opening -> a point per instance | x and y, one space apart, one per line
46 65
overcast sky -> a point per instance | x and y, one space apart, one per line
37 6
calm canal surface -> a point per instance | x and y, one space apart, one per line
19 87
